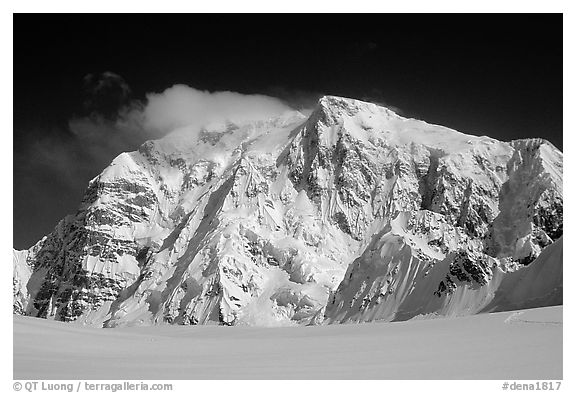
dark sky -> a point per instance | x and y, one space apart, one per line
495 75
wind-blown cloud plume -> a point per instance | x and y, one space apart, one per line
183 106
106 133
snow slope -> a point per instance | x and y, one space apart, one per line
539 284
351 214
487 346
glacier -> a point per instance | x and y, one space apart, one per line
518 345
351 214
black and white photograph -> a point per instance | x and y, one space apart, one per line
287 197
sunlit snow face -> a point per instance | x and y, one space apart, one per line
270 218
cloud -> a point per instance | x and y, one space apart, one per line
183 106
105 94
107 130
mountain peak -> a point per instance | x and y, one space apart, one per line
342 105
258 223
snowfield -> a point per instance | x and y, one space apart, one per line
525 344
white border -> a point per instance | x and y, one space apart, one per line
6 39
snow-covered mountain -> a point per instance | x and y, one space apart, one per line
351 214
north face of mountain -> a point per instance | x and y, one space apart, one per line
351 214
